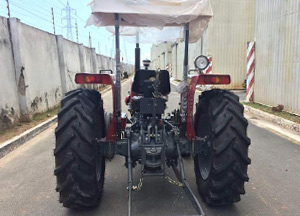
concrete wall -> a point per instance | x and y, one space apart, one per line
161 55
105 63
128 68
225 40
174 60
37 69
71 53
39 57
277 71
9 104
171 55
180 57
88 63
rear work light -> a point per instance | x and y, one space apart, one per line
215 79
85 78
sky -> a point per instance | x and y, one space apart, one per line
37 13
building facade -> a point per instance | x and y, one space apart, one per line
277 70
225 40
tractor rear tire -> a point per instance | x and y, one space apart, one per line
222 172
79 165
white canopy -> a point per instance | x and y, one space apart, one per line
164 17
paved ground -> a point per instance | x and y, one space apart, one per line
27 182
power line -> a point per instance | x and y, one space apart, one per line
37 7
30 16
44 16
94 28
42 12
32 5
31 12
69 12
62 3
37 11
39 26
82 4
4 8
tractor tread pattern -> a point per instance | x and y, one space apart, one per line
80 122
229 145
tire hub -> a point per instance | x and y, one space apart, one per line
205 160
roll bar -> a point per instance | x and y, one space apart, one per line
118 75
137 66
184 95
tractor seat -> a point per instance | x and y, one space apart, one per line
142 76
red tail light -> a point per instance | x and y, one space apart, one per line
85 78
214 79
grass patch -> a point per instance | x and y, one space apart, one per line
42 116
267 109
23 126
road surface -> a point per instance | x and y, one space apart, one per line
27 183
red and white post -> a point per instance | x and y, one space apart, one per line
250 71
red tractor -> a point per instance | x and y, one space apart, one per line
215 134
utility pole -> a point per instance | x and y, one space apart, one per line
53 21
76 26
8 10
68 17
90 40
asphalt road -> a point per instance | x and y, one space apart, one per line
27 182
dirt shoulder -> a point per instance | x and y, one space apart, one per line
24 126
283 114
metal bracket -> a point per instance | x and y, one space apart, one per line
130 177
121 147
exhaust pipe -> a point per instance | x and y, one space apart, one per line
137 57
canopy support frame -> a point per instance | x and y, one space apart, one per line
118 74
185 80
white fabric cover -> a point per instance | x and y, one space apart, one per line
164 17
